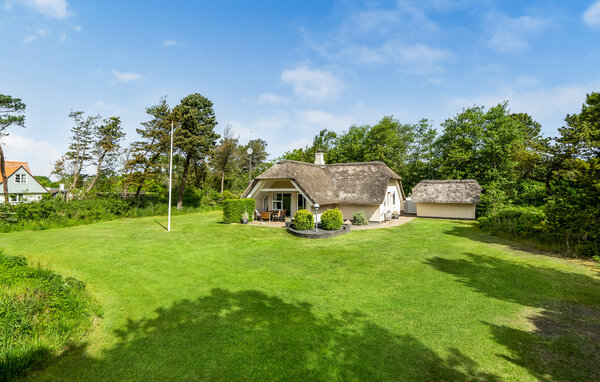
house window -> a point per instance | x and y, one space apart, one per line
277 202
20 178
301 202
394 199
266 203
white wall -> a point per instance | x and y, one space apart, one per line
446 210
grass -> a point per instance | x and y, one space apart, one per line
429 300
41 313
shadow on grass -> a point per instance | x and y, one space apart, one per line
470 230
160 224
249 335
564 342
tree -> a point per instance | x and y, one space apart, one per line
573 210
71 165
422 155
107 140
489 146
224 157
11 113
144 154
253 163
195 136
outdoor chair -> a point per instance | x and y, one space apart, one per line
265 215
256 214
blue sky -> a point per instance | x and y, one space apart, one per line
283 70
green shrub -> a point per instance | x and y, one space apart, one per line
332 220
229 195
515 221
234 208
359 218
303 219
41 314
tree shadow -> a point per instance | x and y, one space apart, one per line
564 340
470 230
248 335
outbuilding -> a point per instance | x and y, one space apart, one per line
452 199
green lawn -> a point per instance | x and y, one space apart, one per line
429 300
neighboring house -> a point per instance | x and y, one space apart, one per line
454 199
371 187
22 186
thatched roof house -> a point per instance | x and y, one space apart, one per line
447 198
291 185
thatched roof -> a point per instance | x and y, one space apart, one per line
345 183
464 191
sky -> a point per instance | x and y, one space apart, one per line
284 70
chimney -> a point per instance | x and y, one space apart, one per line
320 157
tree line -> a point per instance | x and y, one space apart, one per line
550 185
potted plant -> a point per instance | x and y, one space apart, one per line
245 217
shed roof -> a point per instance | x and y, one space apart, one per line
344 183
464 191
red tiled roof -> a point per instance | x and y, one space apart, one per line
12 166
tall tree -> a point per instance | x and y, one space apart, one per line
107 141
195 137
145 153
11 113
574 207
71 165
422 154
224 157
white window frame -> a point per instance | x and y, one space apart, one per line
277 200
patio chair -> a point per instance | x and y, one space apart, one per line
265 215
256 214
276 215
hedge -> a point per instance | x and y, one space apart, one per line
234 208
303 219
332 220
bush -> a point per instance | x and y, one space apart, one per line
234 208
515 221
303 219
332 220
41 314
359 218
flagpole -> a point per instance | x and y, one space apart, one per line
170 178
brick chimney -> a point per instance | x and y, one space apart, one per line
320 157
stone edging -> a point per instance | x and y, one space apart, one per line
320 233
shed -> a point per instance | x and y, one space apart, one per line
453 199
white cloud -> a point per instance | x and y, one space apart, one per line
548 106
313 84
315 120
513 34
39 154
35 35
58 9
125 77
271 99
591 16
170 43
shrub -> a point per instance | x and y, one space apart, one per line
41 313
515 221
332 220
229 195
234 208
303 219
359 218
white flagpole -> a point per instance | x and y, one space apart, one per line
170 178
